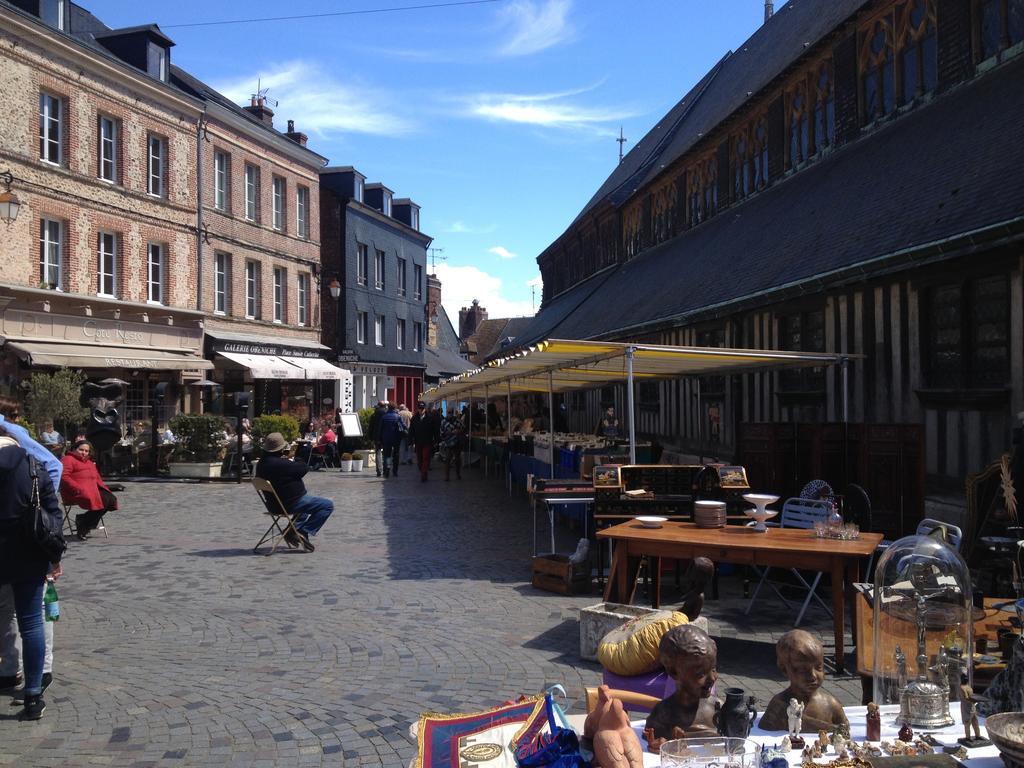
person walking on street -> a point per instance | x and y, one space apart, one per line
378 446
406 416
453 436
392 430
23 564
424 432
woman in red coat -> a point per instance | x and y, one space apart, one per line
82 486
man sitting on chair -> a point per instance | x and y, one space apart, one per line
309 513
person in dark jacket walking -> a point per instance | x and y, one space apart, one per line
22 564
424 431
378 446
392 430
309 512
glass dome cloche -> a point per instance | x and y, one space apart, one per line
922 630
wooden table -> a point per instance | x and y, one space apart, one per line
778 547
998 614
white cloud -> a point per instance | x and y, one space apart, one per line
551 110
502 251
535 26
319 102
460 285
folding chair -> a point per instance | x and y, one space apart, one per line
69 523
797 513
275 508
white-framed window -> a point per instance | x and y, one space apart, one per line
252 185
302 211
378 269
221 176
417 336
417 281
157 162
106 264
378 330
107 140
400 333
278 295
303 298
155 274
385 203
361 323
51 242
51 128
401 276
279 201
221 282
362 263
252 287
357 193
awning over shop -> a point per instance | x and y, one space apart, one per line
315 367
266 366
99 356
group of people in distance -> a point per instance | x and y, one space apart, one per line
398 434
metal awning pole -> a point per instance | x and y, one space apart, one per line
487 432
469 432
508 447
845 363
700 422
551 421
630 404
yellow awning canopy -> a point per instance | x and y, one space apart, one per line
561 366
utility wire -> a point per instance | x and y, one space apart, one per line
362 12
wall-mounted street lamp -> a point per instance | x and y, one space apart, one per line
335 288
9 202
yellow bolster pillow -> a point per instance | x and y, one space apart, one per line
632 649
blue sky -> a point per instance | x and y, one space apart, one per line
498 118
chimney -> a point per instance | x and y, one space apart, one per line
769 9
258 108
297 136
433 306
470 319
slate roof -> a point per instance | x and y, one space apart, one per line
944 169
798 26
543 324
486 340
442 363
447 337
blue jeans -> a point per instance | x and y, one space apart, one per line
310 512
28 596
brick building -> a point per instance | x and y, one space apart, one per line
375 254
113 263
842 182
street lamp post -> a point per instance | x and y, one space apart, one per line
9 202
335 288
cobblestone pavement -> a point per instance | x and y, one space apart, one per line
178 646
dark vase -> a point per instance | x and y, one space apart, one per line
737 714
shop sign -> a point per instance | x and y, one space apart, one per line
30 325
389 382
348 356
259 348
369 370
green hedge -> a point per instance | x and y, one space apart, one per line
198 436
262 426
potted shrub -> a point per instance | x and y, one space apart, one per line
357 462
199 447
346 462
262 426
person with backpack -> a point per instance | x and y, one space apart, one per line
392 432
24 565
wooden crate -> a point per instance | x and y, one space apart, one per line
555 573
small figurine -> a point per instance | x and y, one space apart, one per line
838 742
906 732
786 745
901 669
960 753
690 658
802 660
794 713
969 714
874 722
923 747
615 741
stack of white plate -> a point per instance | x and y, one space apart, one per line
709 514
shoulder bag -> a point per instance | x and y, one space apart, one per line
38 523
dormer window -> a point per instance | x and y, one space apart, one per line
54 13
157 61
357 194
414 218
385 204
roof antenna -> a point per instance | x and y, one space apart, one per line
260 97
622 140
769 9
434 257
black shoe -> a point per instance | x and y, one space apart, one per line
395 472
387 473
378 473
306 543
423 478
34 708
82 535
9 683
291 538
47 679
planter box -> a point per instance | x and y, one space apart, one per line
555 573
346 466
199 469
596 621
357 466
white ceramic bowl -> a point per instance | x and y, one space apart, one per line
760 499
651 521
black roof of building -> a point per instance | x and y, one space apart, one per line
738 77
945 169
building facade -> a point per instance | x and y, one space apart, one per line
375 256
838 183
